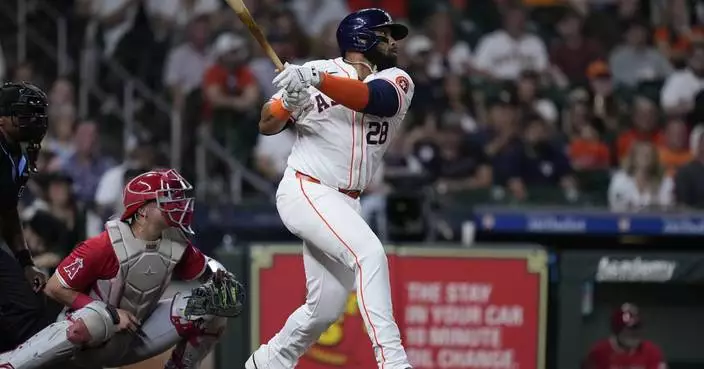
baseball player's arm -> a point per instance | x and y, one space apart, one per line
274 117
192 265
90 261
378 97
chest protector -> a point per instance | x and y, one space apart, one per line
145 270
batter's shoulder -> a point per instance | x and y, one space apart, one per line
394 72
399 78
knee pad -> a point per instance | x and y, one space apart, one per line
91 325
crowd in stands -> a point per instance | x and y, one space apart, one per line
579 103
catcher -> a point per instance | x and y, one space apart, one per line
112 284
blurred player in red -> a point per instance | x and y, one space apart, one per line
625 348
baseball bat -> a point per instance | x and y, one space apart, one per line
243 13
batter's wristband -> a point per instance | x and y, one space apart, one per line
24 258
279 111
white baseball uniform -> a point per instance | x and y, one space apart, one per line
341 149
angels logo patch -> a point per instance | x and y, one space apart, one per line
73 268
402 82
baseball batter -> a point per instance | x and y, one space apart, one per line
345 112
112 285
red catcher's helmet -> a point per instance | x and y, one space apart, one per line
626 316
168 189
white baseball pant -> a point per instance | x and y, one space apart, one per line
340 252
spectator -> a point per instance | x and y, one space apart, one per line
87 164
449 55
604 104
531 103
676 35
499 139
44 235
463 165
678 95
24 72
675 152
61 141
587 151
634 61
573 53
232 95
608 22
62 97
578 113
626 346
284 23
313 15
644 127
108 195
689 191
428 92
62 206
641 183
505 53
116 18
271 154
540 163
187 63
180 14
456 107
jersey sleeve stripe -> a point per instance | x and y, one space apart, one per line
62 281
398 92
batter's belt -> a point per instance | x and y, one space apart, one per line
351 193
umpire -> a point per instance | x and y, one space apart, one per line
23 120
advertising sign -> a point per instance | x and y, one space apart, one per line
456 308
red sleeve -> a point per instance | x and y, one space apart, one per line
595 358
246 77
213 76
192 264
623 144
90 261
656 358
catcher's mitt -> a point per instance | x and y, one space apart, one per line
221 296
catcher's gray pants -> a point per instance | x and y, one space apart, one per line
166 327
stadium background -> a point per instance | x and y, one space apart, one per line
527 149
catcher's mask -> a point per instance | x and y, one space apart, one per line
170 191
26 105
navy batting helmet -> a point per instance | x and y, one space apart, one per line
356 31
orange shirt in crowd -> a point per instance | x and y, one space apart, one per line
679 43
231 82
589 154
626 139
673 160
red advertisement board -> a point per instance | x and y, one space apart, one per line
455 308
